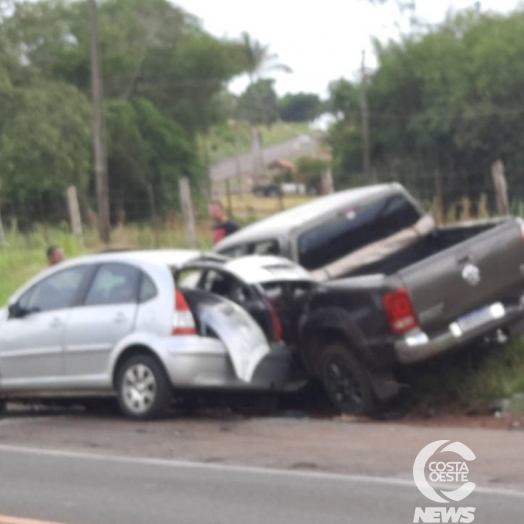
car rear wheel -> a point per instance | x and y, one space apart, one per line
144 390
346 382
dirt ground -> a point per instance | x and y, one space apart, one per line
292 440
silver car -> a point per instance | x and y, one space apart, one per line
143 324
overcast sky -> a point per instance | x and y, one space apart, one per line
321 40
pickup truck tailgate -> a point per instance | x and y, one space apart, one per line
484 269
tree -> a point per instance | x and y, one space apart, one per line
446 102
260 60
299 107
259 103
45 143
164 82
147 155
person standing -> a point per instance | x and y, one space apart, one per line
55 255
222 225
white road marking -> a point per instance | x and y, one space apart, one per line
367 479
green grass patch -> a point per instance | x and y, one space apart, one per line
466 381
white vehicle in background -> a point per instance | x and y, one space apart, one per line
125 323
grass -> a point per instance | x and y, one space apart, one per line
251 207
220 142
466 381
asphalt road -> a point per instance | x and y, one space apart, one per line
90 489
286 150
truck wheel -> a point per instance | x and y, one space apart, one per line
346 382
143 388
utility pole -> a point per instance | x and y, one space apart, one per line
102 188
365 121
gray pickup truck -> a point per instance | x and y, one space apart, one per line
393 288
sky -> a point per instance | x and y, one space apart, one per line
321 40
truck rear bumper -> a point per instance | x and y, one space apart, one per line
417 346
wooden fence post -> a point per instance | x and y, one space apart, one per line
74 214
327 182
187 211
501 187
2 234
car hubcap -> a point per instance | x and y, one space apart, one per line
344 386
139 388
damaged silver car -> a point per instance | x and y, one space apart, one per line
145 325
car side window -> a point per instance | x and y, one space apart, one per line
235 252
148 289
267 247
113 284
55 292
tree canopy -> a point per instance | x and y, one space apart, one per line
443 106
163 80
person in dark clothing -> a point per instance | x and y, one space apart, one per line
222 226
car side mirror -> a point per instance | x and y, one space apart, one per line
17 311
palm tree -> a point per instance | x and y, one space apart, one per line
260 60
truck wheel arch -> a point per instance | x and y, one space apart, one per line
328 326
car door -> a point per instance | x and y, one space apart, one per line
218 302
107 315
31 343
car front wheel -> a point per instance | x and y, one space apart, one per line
144 390
346 382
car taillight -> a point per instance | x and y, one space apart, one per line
183 322
399 311
275 321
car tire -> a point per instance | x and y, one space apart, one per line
143 388
346 381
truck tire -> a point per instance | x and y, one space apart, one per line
143 388
346 381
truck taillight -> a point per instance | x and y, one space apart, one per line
183 322
399 311
275 321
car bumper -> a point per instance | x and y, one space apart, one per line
204 363
417 346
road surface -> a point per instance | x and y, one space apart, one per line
77 488
287 150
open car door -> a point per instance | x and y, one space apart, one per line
242 336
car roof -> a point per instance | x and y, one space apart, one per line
172 258
285 221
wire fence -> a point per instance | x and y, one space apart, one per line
450 199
